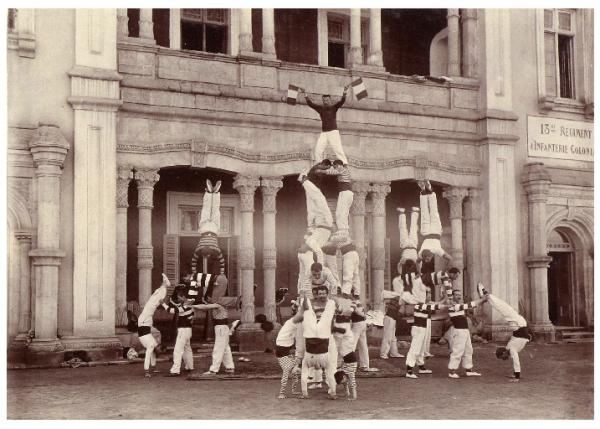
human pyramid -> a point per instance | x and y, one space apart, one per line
327 332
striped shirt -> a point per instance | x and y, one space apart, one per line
343 177
424 312
434 279
186 313
208 242
201 289
326 278
458 316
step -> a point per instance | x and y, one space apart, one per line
579 340
579 334
569 328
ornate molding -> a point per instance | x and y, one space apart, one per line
146 179
536 181
246 258
269 258
49 149
145 256
539 261
360 190
202 148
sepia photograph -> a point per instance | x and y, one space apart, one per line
266 213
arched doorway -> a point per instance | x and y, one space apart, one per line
563 293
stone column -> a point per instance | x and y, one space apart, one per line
146 25
246 31
175 28
246 186
472 216
145 180
536 182
455 197
453 43
469 43
268 33
24 321
357 211
376 53
269 187
122 24
378 192
355 54
124 176
49 150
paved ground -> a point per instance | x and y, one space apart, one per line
557 384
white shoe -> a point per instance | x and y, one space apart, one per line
415 209
209 187
453 375
428 355
401 209
425 371
217 186
371 369
383 357
411 375
428 186
473 374
481 290
315 386
397 356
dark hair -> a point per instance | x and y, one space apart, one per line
260 318
318 288
426 252
326 162
267 326
409 266
339 376
338 162
316 266
326 95
454 270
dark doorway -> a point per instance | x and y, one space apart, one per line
560 294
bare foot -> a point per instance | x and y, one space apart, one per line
282 396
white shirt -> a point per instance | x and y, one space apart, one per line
145 318
287 334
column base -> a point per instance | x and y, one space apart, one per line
18 348
543 332
251 338
370 68
94 348
45 352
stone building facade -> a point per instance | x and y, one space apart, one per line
117 117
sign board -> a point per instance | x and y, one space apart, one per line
560 138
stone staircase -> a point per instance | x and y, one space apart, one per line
574 334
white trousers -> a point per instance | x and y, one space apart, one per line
514 346
462 350
430 217
330 261
416 353
210 215
389 343
342 210
221 350
316 241
508 313
305 260
428 336
408 237
334 140
350 272
318 212
326 361
182 351
344 342
150 343
359 332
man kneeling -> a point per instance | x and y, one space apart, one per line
320 350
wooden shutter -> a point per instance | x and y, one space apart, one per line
233 274
171 259
550 63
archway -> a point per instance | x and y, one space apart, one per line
562 294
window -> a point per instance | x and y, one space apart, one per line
338 41
204 30
559 36
12 20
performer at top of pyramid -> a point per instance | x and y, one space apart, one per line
330 133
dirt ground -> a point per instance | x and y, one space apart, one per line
558 383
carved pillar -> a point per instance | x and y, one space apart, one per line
124 176
455 197
473 241
536 182
246 186
376 53
357 211
269 187
245 31
49 149
146 25
453 42
122 24
469 42
268 33
355 54
24 320
145 180
378 192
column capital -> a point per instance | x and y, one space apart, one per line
379 191
124 176
536 182
246 186
538 261
146 179
269 186
453 13
23 235
49 149
122 23
473 204
455 196
360 190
